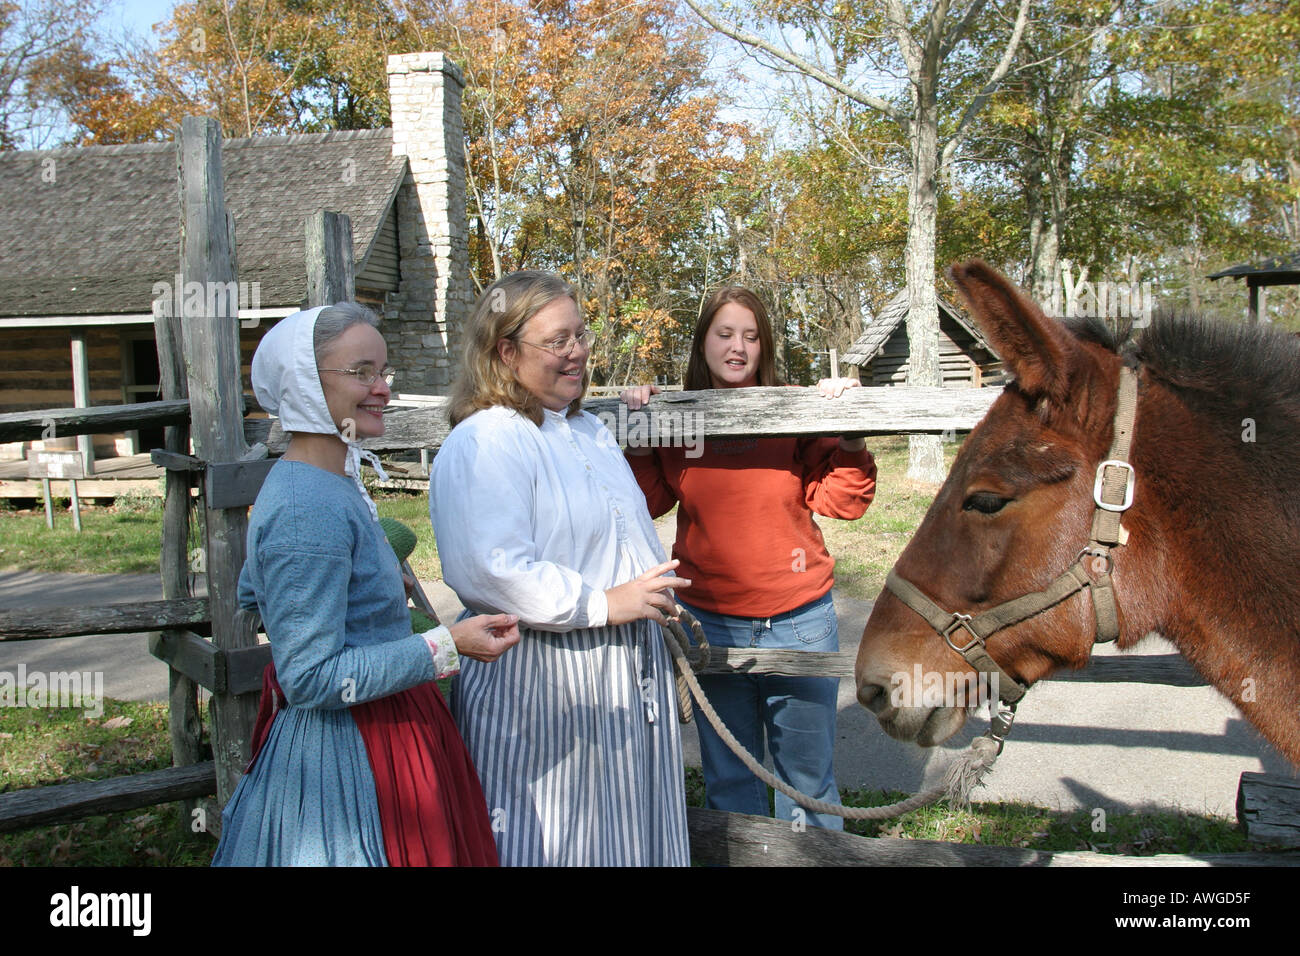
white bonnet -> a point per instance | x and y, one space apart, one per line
287 385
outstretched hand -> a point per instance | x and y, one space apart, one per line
835 387
646 597
485 637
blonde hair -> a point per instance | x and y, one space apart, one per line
500 313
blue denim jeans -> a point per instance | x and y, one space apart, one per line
796 713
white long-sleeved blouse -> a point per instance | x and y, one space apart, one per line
538 521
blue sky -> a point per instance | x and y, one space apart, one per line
139 15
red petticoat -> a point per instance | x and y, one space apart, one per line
431 806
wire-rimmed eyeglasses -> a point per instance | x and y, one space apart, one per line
366 373
563 347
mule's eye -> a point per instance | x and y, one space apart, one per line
985 502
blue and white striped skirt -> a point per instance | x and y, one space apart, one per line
576 742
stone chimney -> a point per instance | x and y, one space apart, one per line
425 317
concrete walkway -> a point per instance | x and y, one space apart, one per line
1075 745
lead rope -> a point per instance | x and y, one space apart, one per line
962 776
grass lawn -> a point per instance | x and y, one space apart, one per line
865 549
116 539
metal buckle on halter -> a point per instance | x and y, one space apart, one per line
1098 553
1130 482
1000 721
960 620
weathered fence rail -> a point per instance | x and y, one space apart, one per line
1169 669
30 426
23 624
737 839
679 417
673 416
61 803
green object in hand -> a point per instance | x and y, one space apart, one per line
401 537
403 541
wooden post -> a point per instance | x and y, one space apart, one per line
212 362
81 399
76 504
182 693
329 259
1268 809
49 504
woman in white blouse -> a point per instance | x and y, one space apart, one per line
537 513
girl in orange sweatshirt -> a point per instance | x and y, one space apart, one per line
762 575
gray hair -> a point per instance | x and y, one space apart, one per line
336 319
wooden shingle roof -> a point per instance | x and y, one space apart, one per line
89 231
878 330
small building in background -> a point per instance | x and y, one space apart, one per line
1280 270
881 352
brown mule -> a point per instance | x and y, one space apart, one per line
1210 547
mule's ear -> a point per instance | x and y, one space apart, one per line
1037 350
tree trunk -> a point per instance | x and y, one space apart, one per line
925 452
1044 241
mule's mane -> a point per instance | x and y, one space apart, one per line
1205 355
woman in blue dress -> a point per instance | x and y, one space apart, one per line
361 764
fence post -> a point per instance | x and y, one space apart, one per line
329 259
81 398
183 721
213 366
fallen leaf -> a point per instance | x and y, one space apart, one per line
61 849
115 722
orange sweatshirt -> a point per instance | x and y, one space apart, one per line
745 532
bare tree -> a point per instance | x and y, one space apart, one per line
36 38
926 45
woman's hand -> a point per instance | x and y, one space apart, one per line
648 596
635 396
485 637
835 387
